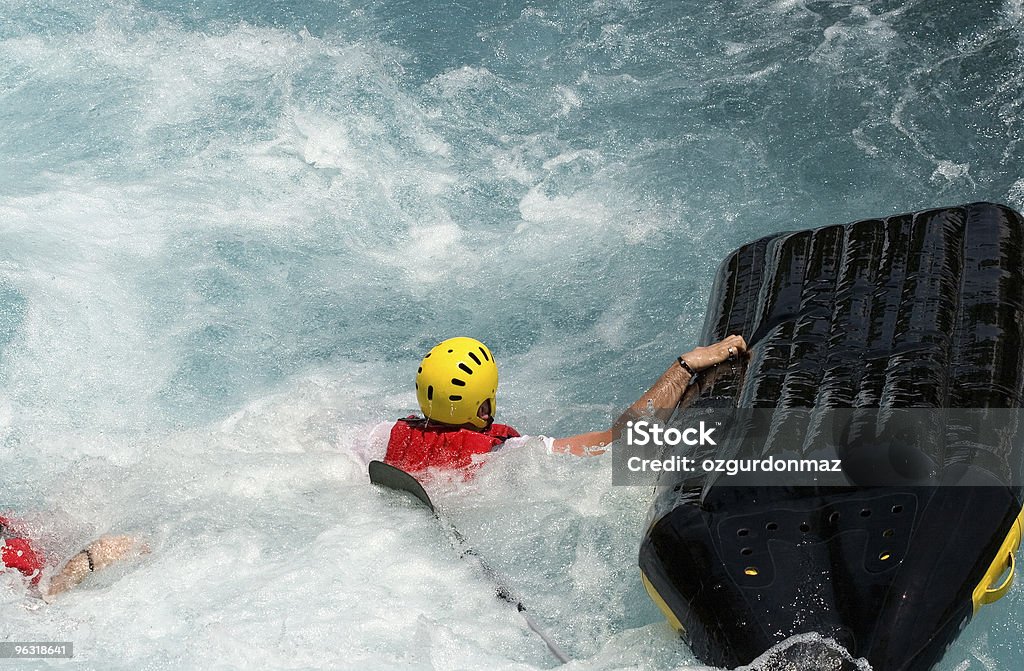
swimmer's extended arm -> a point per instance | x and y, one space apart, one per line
662 398
100 554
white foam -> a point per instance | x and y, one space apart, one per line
1016 194
569 100
950 171
823 653
466 78
1013 10
861 33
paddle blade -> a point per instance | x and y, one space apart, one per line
388 476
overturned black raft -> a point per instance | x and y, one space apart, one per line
916 310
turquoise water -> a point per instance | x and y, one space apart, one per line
230 229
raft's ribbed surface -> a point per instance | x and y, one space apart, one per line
917 310
921 309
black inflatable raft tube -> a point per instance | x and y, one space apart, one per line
916 310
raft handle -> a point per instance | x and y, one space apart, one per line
1005 562
993 594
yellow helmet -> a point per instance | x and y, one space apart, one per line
453 381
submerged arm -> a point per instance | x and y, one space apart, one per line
100 554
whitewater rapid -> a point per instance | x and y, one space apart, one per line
229 230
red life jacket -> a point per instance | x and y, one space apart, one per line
415 445
18 553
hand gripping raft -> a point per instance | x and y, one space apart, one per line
917 310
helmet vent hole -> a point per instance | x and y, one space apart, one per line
454 397
484 352
420 369
467 369
458 383
430 393
475 358
450 351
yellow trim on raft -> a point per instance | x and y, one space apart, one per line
987 590
656 598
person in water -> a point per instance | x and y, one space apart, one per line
456 384
19 552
